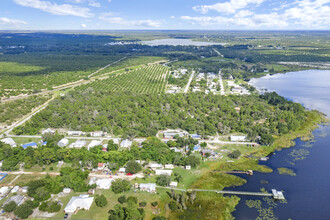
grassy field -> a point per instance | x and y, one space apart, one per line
150 79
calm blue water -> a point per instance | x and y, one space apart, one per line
307 193
310 88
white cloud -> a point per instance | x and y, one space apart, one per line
309 13
53 8
227 7
83 25
94 3
256 21
8 21
108 17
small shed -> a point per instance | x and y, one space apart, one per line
188 167
174 184
66 190
122 170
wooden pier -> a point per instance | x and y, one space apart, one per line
278 195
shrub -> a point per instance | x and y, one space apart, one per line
159 218
133 167
23 211
154 204
235 154
142 204
172 206
163 180
9 207
122 199
119 186
101 201
132 199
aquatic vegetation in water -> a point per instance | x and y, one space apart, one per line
286 171
308 145
264 213
264 182
300 154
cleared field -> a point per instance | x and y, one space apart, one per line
130 63
150 79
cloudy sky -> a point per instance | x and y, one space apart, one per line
165 14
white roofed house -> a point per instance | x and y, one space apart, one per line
126 143
122 170
169 166
94 143
97 134
48 130
4 190
163 172
174 184
156 166
63 142
79 202
9 141
78 144
148 187
237 138
76 133
103 183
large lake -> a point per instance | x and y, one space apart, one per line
179 42
307 193
310 88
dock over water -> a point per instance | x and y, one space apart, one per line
278 195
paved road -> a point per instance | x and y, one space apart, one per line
18 123
110 64
218 52
190 79
222 91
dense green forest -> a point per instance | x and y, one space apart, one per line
134 115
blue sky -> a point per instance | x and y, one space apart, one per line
165 14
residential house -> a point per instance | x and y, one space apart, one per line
18 199
79 202
4 190
148 187
48 130
155 166
94 143
97 134
78 144
63 142
122 170
126 143
103 183
32 144
165 172
9 141
76 133
237 138
169 166
100 166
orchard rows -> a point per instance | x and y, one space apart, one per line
150 79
